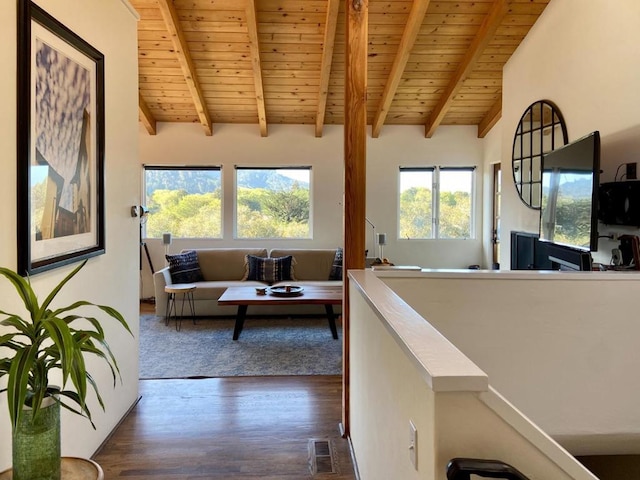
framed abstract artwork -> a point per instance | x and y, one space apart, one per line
60 171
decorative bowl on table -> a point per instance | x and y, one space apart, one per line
286 291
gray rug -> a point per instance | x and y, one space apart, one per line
280 346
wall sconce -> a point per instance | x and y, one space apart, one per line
135 209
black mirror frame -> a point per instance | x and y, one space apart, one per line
536 149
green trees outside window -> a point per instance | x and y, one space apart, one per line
416 203
273 203
184 201
187 202
436 203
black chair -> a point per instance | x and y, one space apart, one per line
463 468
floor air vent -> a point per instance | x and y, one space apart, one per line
321 459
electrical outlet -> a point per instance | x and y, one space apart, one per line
413 444
632 173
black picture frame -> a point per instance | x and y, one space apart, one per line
60 144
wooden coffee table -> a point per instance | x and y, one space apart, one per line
311 295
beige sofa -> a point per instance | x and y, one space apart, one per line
225 267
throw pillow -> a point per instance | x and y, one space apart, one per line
336 268
269 270
184 267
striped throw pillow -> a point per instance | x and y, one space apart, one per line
184 267
269 270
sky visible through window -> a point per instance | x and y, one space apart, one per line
273 202
452 181
301 175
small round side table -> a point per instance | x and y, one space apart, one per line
186 289
72 468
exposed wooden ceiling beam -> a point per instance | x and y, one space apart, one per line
252 26
490 119
411 29
333 6
186 64
487 30
146 117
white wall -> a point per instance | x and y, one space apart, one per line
406 146
549 343
403 370
580 55
492 154
108 279
378 392
186 144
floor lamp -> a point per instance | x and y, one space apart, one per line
373 245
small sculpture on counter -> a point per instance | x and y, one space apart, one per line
384 261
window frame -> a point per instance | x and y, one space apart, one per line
218 168
436 172
236 168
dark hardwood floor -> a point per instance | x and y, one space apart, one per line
236 428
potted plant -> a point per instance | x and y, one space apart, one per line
48 339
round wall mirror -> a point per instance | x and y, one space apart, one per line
540 130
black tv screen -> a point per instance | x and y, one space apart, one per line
569 208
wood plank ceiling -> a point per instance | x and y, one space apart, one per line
430 62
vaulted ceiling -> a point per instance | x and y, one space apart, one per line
430 62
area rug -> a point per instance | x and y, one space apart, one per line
278 346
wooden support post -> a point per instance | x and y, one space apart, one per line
355 146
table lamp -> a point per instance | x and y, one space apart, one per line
166 240
382 241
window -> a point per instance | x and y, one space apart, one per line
183 201
273 202
436 202
416 203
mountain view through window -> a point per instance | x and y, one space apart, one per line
185 202
188 202
273 203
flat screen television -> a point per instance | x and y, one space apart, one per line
569 207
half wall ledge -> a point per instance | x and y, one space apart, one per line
443 366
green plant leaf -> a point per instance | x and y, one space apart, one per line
19 324
79 377
58 287
48 340
94 385
115 314
18 381
108 310
70 394
23 287
89 347
59 332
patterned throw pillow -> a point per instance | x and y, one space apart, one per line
336 268
184 267
269 270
